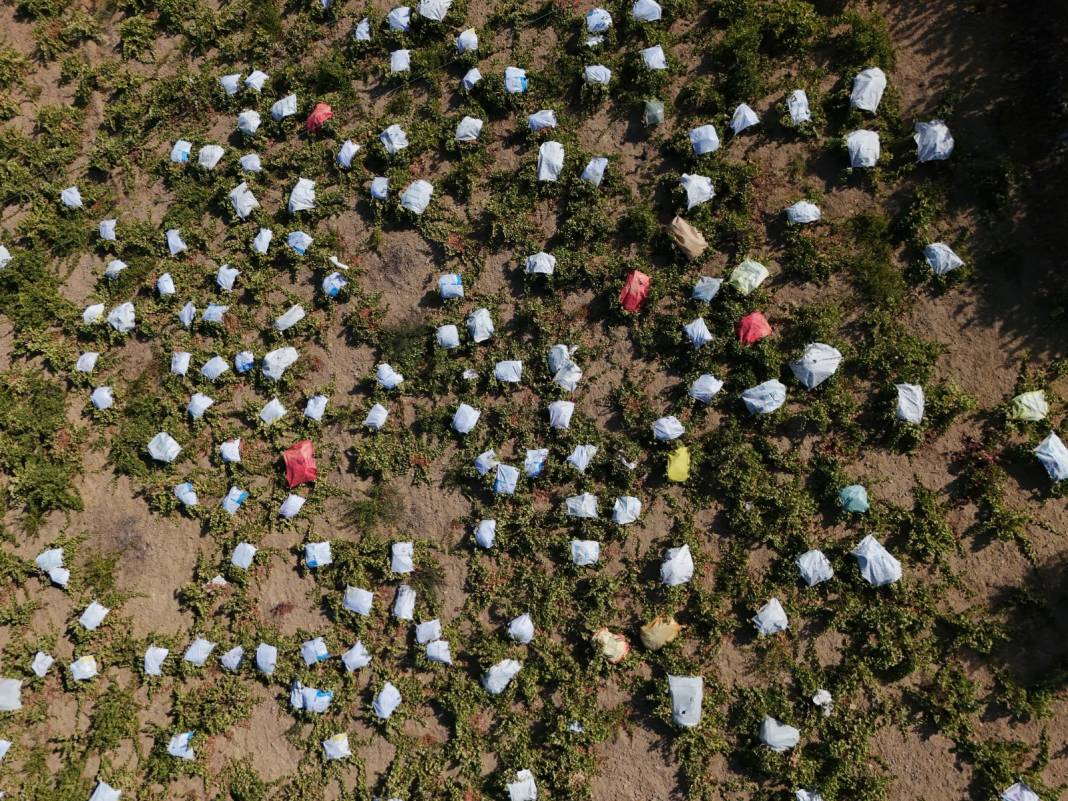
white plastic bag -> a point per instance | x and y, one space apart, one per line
550 161
687 693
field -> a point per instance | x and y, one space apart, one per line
949 683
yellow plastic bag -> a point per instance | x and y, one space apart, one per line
678 464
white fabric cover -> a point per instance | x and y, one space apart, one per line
467 41
448 337
337 746
697 332
471 77
399 19
797 105
106 230
180 151
464 418
1053 455
687 693
706 288
868 87
583 506
358 600
209 156
214 367
521 629
93 313
51 562
582 455
654 57
509 371
401 557
356 657
198 404
243 201
102 398
250 162
40 665
506 479
231 450
515 80
598 21
585 553
770 618
933 140
778 736
231 83
541 263
910 403
180 746
86 362
468 129
315 407
438 651
941 258
105 792
1019 792
198 652
293 315
122 318
646 10
704 139
550 161
255 80
346 153
434 9
248 122
698 189
266 658
286 107
560 414
404 603
863 147
262 240
818 362
486 533
877 565
186 494
523 788
243 555
677 567
394 139
594 172
597 74
387 377
498 677
272 411
416 197
668 428
387 701
480 325
163 447
765 398
314 651
705 387
154 657
83 668
743 117
291 506
626 510
277 361
10 695
318 554
803 212
302 196
814 567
